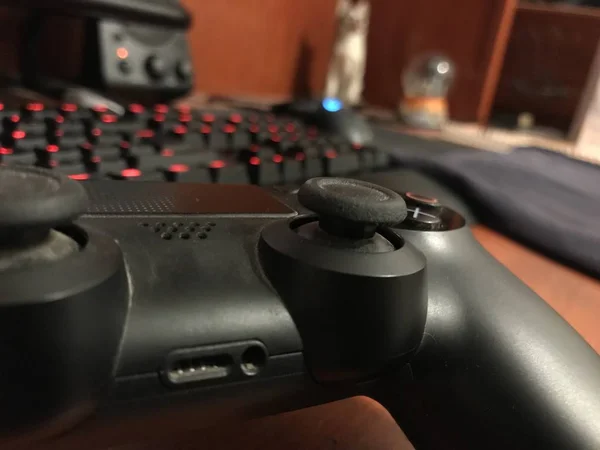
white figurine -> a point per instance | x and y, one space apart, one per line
347 68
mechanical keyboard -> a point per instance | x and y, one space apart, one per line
177 143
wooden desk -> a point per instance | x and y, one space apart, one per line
360 423
576 297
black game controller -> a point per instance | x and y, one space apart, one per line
167 307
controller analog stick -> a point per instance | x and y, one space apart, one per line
32 202
352 208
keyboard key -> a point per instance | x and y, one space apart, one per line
136 175
294 168
97 165
37 128
7 156
206 133
74 171
271 173
21 143
229 131
381 160
176 143
343 164
33 111
313 167
234 174
108 153
236 118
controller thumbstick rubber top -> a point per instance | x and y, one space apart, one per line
353 200
31 197
352 208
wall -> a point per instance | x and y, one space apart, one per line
11 25
261 47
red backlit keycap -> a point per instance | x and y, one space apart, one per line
236 118
208 118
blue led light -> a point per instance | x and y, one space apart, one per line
332 104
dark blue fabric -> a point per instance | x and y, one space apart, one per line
545 199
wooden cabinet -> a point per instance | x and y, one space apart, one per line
473 33
548 60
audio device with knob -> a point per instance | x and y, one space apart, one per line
132 55
130 46
186 305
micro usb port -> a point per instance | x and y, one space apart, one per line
192 370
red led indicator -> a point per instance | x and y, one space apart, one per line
255 161
236 118
180 129
205 129
14 118
100 108
109 118
217 164
125 145
290 128
86 146
184 109
331 154
276 138
60 119
208 118
131 173
229 129
35 107
167 153
52 149
162 109
185 118
6 151
18 134
80 176
179 168
145 134
273 128
136 108
159 117
122 53
1 106
69 107
277 159
96 132
96 159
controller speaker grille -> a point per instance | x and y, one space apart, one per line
184 230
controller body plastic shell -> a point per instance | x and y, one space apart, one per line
492 366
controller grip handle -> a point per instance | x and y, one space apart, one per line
498 367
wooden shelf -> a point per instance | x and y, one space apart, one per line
549 57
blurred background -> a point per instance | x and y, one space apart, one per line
512 57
